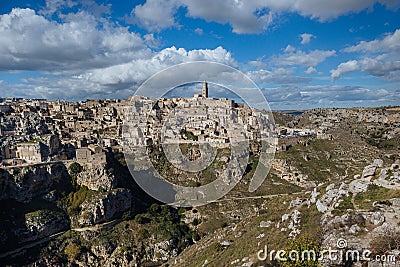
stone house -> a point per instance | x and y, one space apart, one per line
34 152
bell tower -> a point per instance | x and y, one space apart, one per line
204 91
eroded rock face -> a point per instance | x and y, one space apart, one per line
96 178
360 228
42 223
103 207
22 184
328 201
164 250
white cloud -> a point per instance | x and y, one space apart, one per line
199 31
387 70
83 57
156 15
244 16
293 57
276 76
326 9
54 5
117 81
151 41
391 42
289 49
306 38
250 16
311 70
138 70
57 6
343 68
302 97
32 42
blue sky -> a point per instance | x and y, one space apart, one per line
301 53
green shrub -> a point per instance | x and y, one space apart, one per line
75 199
302 245
72 251
75 168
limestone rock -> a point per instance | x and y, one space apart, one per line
42 223
332 196
354 229
378 163
295 203
103 207
164 250
395 166
369 171
358 186
383 174
24 183
97 177
321 207
265 224
377 218
226 243
314 195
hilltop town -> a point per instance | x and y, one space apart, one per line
67 196
36 130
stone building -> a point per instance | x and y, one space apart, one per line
32 152
204 91
85 155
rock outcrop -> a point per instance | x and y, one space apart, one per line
369 171
332 197
24 183
97 178
103 207
42 223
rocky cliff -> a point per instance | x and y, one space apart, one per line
103 207
24 183
97 177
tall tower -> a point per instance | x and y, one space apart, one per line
204 91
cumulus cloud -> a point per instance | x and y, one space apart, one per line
311 70
51 6
151 41
306 38
250 16
81 56
116 81
390 43
325 9
57 6
302 97
138 70
387 70
343 68
276 76
244 16
155 15
292 57
32 42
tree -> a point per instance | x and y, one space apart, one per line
75 168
